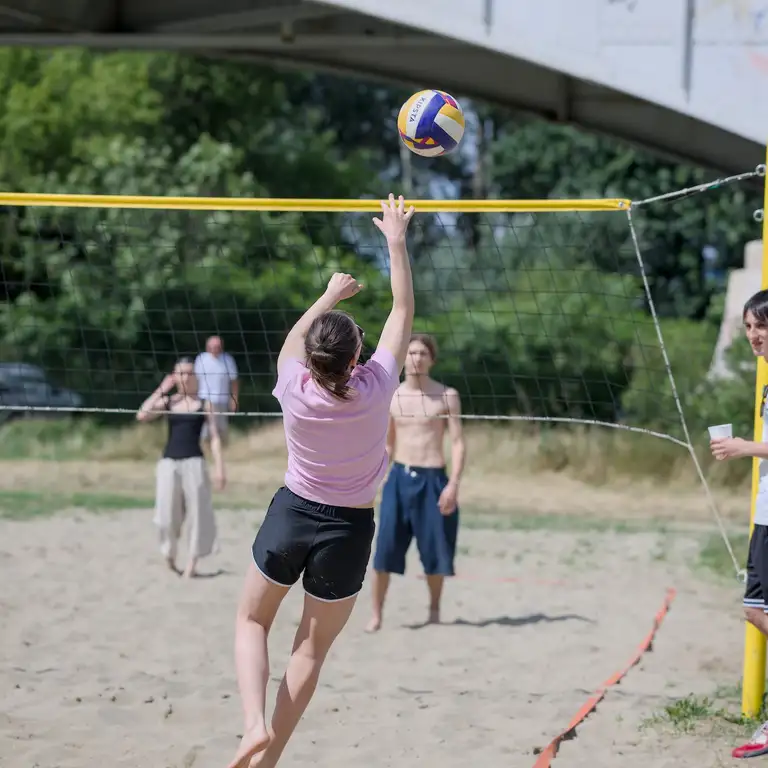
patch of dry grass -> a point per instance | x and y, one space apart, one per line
511 469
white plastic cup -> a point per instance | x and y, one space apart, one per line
721 430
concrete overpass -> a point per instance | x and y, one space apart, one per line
686 78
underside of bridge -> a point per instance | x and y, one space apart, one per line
323 37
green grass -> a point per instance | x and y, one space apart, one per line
78 439
714 556
29 505
720 712
522 519
683 715
52 439
25 505
595 456
32 505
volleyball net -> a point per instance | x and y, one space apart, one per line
543 311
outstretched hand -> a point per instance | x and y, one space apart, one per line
342 286
394 221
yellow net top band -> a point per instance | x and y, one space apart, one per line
267 204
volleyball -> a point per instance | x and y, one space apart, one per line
431 123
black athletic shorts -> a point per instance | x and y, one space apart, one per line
329 545
756 591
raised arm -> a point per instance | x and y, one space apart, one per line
154 405
396 334
340 287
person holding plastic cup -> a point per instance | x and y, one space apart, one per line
724 446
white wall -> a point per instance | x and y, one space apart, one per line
640 47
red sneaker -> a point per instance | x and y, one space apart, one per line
757 745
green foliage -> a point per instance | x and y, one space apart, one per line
649 399
282 128
538 315
732 399
60 108
538 160
547 317
715 557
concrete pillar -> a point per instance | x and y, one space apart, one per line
742 283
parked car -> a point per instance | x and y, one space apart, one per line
27 386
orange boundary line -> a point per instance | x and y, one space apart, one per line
545 758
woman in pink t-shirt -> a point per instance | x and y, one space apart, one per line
320 525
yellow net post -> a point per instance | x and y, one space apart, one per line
753 686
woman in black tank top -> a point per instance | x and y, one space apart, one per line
183 488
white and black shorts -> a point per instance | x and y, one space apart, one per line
330 546
756 592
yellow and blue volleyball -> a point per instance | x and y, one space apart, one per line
431 123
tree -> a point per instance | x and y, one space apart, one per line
533 159
536 314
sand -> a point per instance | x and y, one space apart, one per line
109 659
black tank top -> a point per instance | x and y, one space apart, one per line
184 434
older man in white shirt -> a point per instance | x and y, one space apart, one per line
218 382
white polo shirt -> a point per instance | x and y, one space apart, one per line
215 376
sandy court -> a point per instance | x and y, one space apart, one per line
107 658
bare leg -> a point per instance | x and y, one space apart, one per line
435 586
320 625
758 618
191 570
380 585
255 614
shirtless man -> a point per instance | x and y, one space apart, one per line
419 499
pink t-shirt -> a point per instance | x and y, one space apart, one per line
337 448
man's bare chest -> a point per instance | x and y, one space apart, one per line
418 407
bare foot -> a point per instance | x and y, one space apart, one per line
261 757
254 741
434 616
189 573
374 625
171 563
